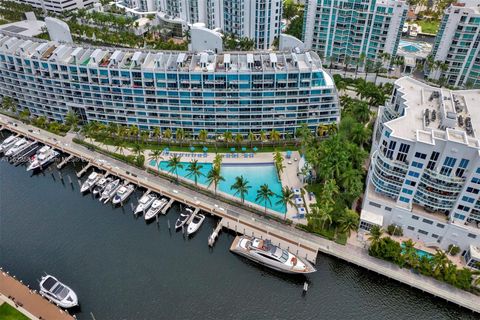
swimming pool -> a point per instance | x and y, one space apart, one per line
409 46
256 174
420 253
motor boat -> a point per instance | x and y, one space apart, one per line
267 254
144 203
122 194
17 147
42 158
157 205
57 292
100 185
110 190
7 143
183 218
90 182
195 224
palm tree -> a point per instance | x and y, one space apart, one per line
7 103
134 131
174 164
286 198
71 119
156 133
439 262
217 161
202 135
278 159
167 134
376 233
341 86
320 213
348 222
214 176
251 138
228 137
137 149
25 114
180 135
274 135
360 61
264 194
263 136
120 146
238 139
241 187
410 253
194 169
155 155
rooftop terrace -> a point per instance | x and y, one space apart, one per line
207 62
437 113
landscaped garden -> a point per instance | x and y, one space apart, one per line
7 312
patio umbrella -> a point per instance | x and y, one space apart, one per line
192 148
232 149
205 149
289 154
255 149
244 149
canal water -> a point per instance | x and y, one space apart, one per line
122 268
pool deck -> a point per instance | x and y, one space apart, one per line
27 301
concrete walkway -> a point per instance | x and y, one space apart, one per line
27 301
291 237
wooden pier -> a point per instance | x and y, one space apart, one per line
82 172
213 237
167 206
192 216
65 161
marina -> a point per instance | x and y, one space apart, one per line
240 221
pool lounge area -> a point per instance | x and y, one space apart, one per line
256 174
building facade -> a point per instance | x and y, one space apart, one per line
254 19
58 5
424 174
240 92
337 29
457 45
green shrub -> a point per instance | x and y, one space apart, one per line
453 250
395 230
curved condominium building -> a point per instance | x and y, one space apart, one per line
238 91
425 170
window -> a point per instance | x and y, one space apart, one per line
407 191
434 235
433 160
413 174
388 209
441 226
403 199
476 180
374 204
410 228
459 216
427 221
422 232
472 190
463 208
471 235
415 217
420 155
417 164
468 199
449 162
410 183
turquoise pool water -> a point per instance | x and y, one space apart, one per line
409 46
255 174
420 253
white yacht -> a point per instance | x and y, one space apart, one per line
42 158
110 190
183 218
157 205
144 203
58 292
195 224
7 143
122 194
100 185
267 254
17 147
90 182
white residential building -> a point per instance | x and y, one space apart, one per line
338 29
424 173
457 45
58 5
254 19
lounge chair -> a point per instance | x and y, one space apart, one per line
227 155
245 155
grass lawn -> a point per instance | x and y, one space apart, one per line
7 312
429 26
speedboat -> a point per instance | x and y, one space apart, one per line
17 147
122 194
42 158
144 203
90 182
100 185
57 292
110 190
195 224
7 143
184 216
157 205
267 254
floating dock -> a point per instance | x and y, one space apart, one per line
82 172
64 162
167 206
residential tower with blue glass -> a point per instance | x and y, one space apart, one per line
424 173
345 29
240 92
